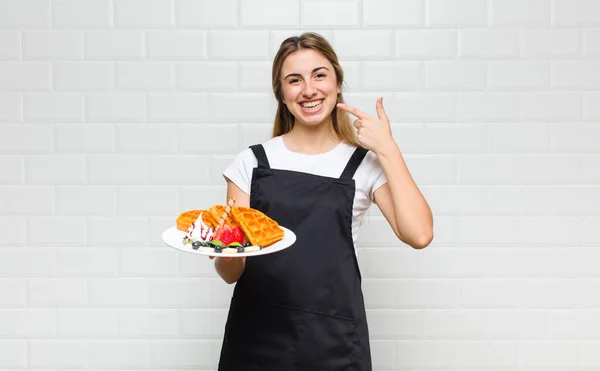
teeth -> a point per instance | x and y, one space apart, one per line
312 104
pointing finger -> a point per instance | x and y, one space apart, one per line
355 111
380 111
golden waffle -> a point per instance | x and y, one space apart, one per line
186 219
258 228
217 212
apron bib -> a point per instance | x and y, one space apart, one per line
301 309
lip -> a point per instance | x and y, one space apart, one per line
311 111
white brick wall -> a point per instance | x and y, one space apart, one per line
115 115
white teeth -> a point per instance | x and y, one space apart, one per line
312 104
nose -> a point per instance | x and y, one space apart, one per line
309 91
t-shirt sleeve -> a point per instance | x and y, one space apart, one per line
377 176
240 170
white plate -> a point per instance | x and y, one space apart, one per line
174 238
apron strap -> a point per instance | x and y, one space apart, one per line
355 160
261 156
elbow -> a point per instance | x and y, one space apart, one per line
422 241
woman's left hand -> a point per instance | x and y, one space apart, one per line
373 133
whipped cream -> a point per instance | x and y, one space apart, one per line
199 231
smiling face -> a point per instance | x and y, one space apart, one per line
309 87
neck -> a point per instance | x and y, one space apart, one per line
312 140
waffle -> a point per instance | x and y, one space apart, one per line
217 212
258 228
186 219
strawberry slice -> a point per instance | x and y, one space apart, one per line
238 235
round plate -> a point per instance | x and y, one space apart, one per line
174 238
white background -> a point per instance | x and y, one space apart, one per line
116 115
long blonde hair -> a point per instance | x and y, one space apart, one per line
284 120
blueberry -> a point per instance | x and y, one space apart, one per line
218 249
240 249
247 244
196 245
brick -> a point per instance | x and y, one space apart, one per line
83 76
576 13
584 200
202 323
430 44
114 45
458 200
254 133
52 170
455 138
82 14
591 42
519 75
57 293
174 354
135 200
86 323
382 354
461 75
432 169
487 106
520 138
177 293
387 324
143 76
52 45
190 137
575 137
248 107
117 169
26 76
590 231
27 262
115 107
11 108
280 14
419 107
178 170
233 45
57 353
518 263
12 231
557 354
328 14
149 323
14 293
140 262
487 354
579 75
178 45
456 13
551 43
11 45
393 76
56 231
13 353
116 231
589 355
218 164
27 200
550 169
13 170
179 107
573 263
27 323
87 263
487 169
518 324
520 200
53 107
452 324
386 13
418 355
84 139
210 76
157 139
192 196
156 14
110 354
85 200
488 43
206 13
551 106
25 14
366 44
520 13
117 292
254 77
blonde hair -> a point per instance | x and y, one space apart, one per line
284 120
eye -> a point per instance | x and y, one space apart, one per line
321 75
293 81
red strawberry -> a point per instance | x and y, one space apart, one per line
238 235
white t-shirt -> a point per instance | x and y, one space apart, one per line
368 177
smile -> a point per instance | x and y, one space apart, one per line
312 104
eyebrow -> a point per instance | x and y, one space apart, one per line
313 71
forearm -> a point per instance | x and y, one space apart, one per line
412 215
230 271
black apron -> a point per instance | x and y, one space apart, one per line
301 309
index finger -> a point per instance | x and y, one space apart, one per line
355 111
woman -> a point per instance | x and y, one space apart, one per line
302 308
